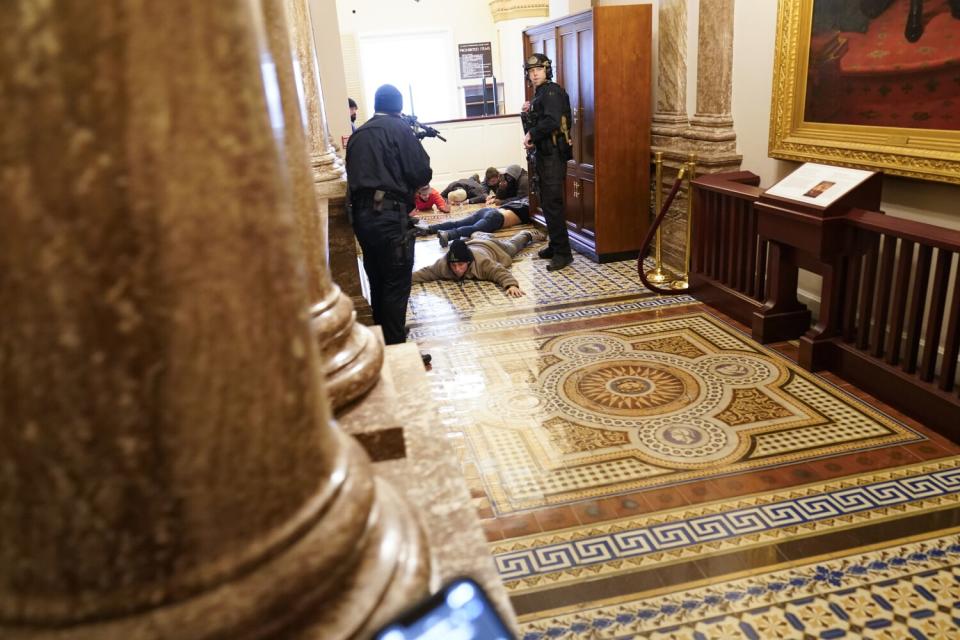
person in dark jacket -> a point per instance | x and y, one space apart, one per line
385 165
476 190
546 121
512 183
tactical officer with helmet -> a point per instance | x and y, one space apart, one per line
385 165
546 121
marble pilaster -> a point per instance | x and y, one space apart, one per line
670 117
711 133
350 354
170 467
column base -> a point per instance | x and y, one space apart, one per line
668 125
362 561
350 354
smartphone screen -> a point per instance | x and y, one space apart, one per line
458 611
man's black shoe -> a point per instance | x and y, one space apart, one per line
444 238
426 357
546 253
559 262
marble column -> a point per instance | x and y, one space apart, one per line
169 466
670 117
351 354
711 131
328 170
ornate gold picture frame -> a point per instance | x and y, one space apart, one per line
928 154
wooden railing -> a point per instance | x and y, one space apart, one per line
728 263
897 330
890 309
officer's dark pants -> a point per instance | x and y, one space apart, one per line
388 261
551 170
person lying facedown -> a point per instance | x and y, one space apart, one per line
482 258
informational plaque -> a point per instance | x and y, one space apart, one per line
818 184
476 60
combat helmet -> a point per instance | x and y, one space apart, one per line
538 60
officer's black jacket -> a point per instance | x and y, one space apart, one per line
385 154
550 102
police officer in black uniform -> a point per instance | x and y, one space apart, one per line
385 165
546 121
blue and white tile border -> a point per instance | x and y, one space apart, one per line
712 603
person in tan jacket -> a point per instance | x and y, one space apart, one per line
483 258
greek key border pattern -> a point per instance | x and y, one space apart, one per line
717 527
456 329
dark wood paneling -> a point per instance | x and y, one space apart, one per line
622 80
611 127
588 196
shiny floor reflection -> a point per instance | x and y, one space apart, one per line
642 467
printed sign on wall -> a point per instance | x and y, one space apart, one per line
476 60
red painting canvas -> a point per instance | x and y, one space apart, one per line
885 63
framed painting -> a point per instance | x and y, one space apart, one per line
873 84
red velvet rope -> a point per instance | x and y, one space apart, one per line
645 247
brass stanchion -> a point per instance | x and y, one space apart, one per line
683 282
657 274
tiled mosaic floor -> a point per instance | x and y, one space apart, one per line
643 469
621 405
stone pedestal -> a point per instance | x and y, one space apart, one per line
350 354
400 431
169 466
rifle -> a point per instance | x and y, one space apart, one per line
422 130
528 119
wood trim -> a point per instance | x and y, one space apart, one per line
919 232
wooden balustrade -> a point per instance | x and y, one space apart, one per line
899 323
728 262
890 310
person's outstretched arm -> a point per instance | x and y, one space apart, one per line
438 200
428 273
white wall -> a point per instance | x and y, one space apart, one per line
326 36
472 146
466 20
